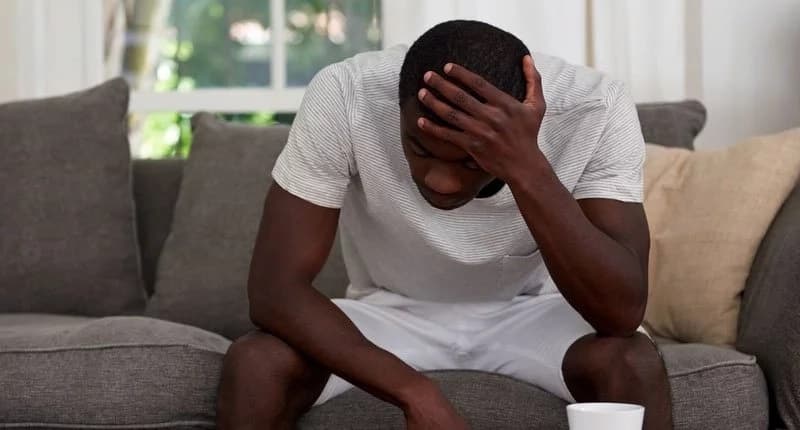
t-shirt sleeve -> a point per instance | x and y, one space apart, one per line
615 170
317 162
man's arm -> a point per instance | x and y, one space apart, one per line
293 242
596 250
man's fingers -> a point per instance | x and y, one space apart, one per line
447 134
479 85
450 114
457 96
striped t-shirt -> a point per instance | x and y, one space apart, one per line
344 151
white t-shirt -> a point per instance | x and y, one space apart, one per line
344 151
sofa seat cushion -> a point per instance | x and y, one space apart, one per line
716 388
712 388
116 372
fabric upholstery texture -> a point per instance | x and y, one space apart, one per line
673 124
156 184
708 211
76 372
66 207
769 323
713 388
202 272
71 372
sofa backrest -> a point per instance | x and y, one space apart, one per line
157 182
155 190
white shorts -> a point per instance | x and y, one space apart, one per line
525 338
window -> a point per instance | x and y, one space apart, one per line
246 59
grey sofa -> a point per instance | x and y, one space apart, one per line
62 371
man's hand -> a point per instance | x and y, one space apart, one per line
430 410
501 133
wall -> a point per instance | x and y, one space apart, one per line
751 68
8 52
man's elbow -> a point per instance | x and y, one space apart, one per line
623 327
628 316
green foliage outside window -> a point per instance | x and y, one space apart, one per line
227 43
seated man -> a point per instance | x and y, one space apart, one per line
491 219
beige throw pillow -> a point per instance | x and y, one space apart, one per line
708 211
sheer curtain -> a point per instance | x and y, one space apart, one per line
618 37
652 45
555 27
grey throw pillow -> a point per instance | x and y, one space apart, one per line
202 272
673 124
66 206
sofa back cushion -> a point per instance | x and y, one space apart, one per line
67 234
672 124
202 272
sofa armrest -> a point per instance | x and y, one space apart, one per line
769 321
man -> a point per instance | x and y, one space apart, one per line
491 219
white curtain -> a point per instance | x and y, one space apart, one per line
649 44
555 27
618 37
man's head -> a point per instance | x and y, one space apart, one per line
445 175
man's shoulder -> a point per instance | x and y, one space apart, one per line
569 86
373 75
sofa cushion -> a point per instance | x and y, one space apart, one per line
202 272
715 388
703 238
112 372
712 388
674 124
66 207
71 372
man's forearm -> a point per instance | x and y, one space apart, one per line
311 323
602 279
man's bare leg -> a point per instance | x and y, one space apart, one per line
266 384
620 369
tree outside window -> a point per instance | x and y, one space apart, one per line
179 46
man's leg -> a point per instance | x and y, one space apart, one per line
617 369
266 384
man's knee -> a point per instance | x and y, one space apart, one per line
257 356
598 360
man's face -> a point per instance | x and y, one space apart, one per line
446 176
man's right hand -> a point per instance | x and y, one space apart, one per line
430 410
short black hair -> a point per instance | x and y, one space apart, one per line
492 53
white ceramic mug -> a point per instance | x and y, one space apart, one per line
605 416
